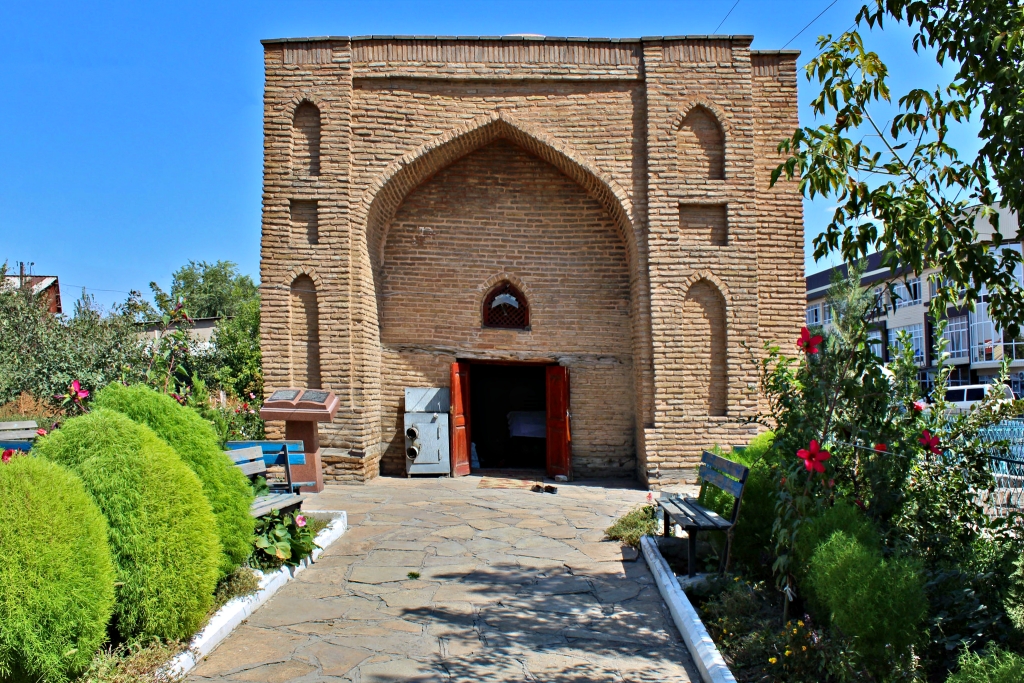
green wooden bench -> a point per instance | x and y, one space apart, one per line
253 457
17 435
693 517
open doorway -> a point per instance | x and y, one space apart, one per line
508 415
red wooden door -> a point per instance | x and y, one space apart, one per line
460 418
559 456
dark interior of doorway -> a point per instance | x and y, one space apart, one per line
495 391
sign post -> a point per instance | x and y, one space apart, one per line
301 410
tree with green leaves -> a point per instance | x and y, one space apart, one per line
209 290
901 187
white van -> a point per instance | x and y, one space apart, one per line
964 398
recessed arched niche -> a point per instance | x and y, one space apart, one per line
706 345
306 140
304 333
700 146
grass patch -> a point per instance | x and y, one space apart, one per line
135 663
316 524
239 583
635 524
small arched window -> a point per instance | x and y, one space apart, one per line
506 307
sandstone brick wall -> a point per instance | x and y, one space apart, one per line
657 150
500 213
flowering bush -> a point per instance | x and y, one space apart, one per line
909 482
282 539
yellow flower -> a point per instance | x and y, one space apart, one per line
801 623
804 648
794 632
788 653
772 660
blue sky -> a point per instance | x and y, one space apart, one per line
130 133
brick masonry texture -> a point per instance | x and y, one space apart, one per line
620 185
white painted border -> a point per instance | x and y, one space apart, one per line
238 610
698 641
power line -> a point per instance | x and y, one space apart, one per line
809 24
726 16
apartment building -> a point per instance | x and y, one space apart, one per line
976 346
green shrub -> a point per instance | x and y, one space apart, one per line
193 438
995 666
840 517
632 526
56 577
162 532
880 603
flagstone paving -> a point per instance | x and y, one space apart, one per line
513 586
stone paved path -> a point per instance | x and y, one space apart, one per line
513 586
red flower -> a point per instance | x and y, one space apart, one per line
77 392
860 504
881 448
918 406
41 432
814 458
807 343
8 454
930 442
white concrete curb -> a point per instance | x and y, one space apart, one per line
698 641
238 610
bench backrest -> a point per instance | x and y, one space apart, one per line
249 460
726 475
17 435
273 451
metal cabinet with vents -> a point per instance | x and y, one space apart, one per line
426 431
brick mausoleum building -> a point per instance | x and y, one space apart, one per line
486 211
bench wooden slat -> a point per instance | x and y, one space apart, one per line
18 434
272 451
733 469
279 501
251 469
15 445
713 517
730 486
25 424
245 454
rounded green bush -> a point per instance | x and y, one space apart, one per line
162 531
195 441
878 602
56 577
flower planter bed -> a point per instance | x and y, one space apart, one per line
228 617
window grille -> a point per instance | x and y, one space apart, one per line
506 307
875 342
956 333
916 333
814 315
907 294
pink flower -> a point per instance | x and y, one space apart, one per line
814 458
300 521
650 497
41 432
930 442
807 343
831 483
77 391
8 454
252 395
